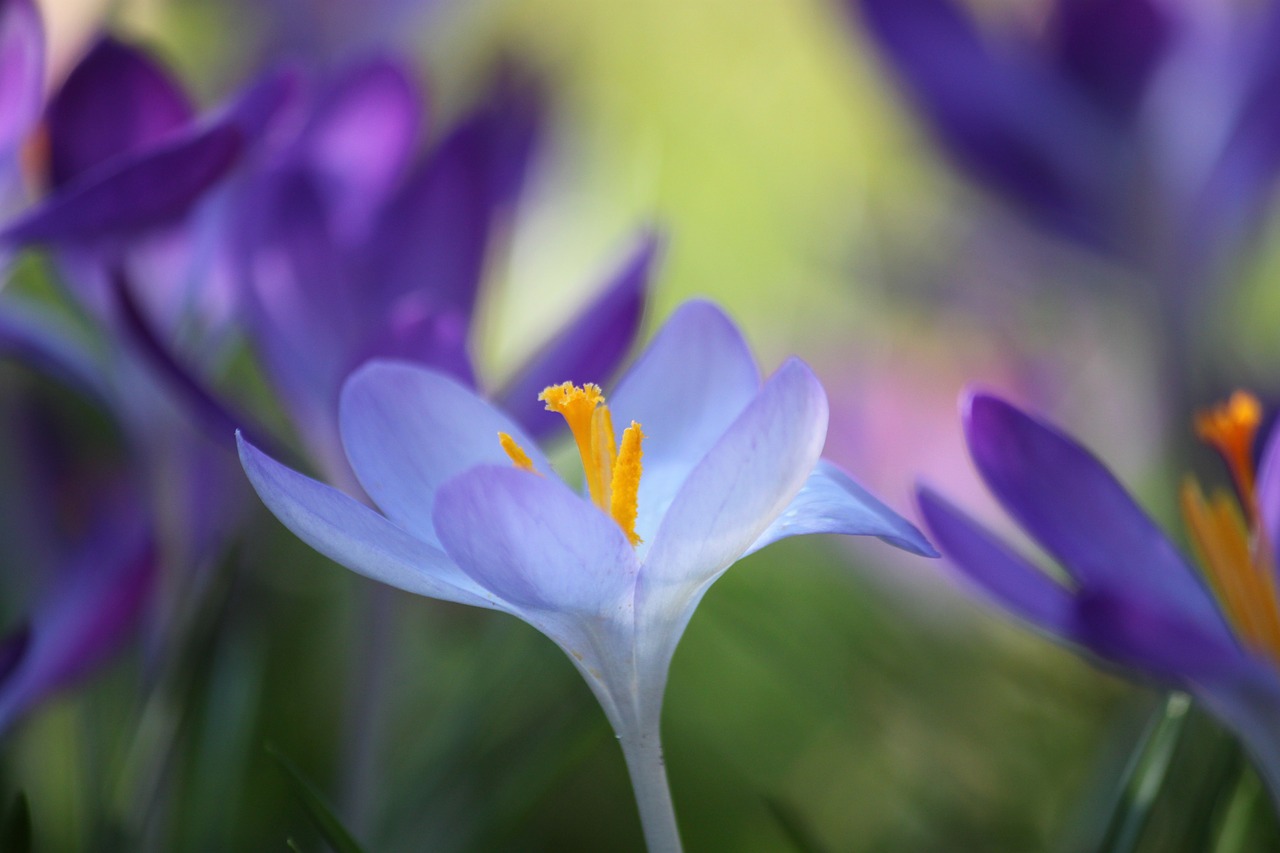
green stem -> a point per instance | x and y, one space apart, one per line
1145 775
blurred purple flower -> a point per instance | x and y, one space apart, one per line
350 250
1146 128
1127 594
78 542
725 466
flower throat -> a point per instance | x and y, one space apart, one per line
612 470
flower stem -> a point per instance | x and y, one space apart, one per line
1144 776
648 771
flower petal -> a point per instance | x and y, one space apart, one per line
1072 505
1014 126
350 533
1001 574
590 348
535 542
743 483
1110 48
407 430
1139 633
135 191
432 238
116 101
22 69
1268 487
832 502
685 389
361 139
84 616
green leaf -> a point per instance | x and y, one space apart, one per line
318 808
15 831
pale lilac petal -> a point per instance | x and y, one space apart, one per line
534 542
408 430
1001 574
21 71
1069 502
116 101
689 385
362 137
832 502
588 349
743 483
350 533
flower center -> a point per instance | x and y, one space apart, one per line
1237 559
612 470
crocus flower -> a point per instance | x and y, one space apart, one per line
714 465
353 246
1126 594
1142 127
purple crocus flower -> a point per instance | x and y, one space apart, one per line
714 465
352 248
1126 594
1144 127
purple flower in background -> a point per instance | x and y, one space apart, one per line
1144 127
76 531
353 247
1127 595
714 465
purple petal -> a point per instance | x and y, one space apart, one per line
743 483
1072 505
832 502
1111 47
21 71
116 101
1005 577
534 542
362 137
1005 119
82 618
136 192
433 237
1268 487
408 430
591 347
685 389
350 533
1140 633
1234 195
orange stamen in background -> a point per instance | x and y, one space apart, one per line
1230 428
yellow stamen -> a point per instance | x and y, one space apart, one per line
1230 428
578 406
625 486
613 474
515 451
